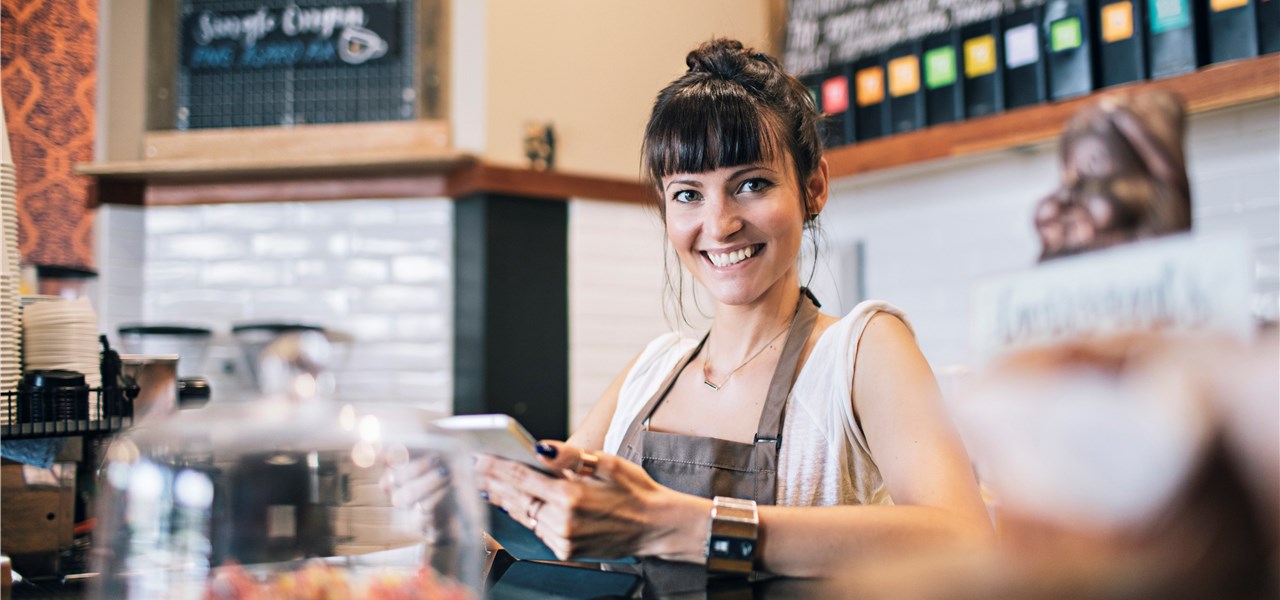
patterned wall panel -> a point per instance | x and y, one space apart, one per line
48 53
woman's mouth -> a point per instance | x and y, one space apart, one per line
729 259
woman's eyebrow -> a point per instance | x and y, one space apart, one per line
688 182
745 170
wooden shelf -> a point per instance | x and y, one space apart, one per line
1210 88
401 159
183 182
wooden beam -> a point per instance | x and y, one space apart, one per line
544 184
177 193
170 183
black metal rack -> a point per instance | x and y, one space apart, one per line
114 411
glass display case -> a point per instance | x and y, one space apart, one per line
289 497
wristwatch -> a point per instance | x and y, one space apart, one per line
731 540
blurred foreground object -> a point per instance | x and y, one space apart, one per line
1139 466
263 499
1124 176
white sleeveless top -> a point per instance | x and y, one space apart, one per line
825 459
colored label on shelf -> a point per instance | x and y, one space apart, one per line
979 56
1167 15
904 76
1065 34
870 86
1021 46
835 95
1221 5
939 67
1117 22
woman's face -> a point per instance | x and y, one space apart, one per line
738 229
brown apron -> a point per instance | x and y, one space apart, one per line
710 467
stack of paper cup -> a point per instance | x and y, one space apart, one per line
10 351
10 315
63 335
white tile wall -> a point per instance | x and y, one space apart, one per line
615 294
379 270
119 251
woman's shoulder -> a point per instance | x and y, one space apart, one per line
853 323
837 345
659 355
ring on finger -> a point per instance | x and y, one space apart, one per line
588 464
532 513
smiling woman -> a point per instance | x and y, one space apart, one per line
747 450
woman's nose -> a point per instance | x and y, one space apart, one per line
722 218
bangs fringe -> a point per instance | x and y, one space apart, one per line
707 127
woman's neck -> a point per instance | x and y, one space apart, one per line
737 331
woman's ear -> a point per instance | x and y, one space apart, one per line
818 189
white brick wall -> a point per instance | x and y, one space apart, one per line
615 294
379 270
119 251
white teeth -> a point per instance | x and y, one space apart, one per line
731 258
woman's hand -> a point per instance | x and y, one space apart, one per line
616 511
420 486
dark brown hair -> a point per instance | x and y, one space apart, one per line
734 106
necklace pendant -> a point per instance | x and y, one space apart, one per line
713 386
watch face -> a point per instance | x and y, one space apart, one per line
732 548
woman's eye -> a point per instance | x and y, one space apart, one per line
755 185
686 196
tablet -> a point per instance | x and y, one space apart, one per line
498 435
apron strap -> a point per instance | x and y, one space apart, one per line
770 428
633 431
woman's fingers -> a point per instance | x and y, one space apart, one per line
525 478
558 456
414 481
562 457
581 515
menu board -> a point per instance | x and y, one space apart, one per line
256 63
824 33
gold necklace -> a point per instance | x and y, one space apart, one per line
706 376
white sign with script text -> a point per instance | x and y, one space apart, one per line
1179 284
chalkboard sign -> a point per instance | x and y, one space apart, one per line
294 36
823 33
252 63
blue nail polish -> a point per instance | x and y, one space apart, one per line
504 511
546 450
484 496
443 471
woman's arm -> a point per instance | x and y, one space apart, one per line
918 453
590 434
621 511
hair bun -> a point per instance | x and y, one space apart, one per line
720 56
